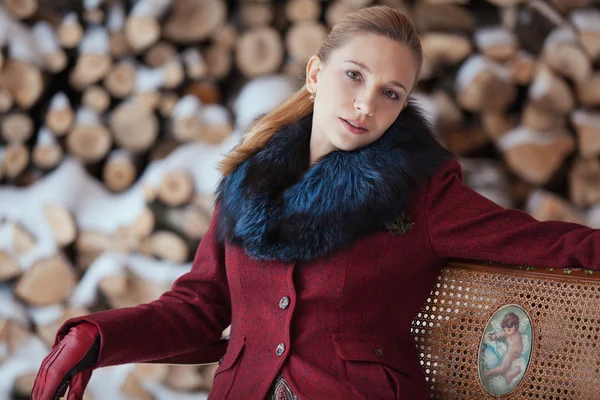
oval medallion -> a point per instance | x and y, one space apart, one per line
505 350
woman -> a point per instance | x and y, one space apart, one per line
332 223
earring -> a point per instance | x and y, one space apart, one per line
312 96
370 115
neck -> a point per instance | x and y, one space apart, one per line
319 146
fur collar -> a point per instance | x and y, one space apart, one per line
277 208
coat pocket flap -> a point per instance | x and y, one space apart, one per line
234 348
363 347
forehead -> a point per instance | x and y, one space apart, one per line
386 59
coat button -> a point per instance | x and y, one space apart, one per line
284 302
378 352
280 349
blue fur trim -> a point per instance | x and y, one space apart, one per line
278 208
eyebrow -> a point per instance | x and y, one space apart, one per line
363 66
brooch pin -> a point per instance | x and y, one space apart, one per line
400 225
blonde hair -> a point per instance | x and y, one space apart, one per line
379 20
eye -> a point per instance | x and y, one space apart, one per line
354 75
391 94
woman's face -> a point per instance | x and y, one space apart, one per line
364 83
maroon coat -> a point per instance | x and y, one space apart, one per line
342 308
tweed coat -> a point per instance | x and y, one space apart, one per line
333 314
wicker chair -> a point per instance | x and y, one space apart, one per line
550 349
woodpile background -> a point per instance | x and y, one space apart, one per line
113 114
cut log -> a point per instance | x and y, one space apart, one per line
7 100
176 188
47 152
477 78
186 120
148 81
190 221
583 182
61 222
219 60
444 48
21 9
89 140
302 10
194 20
47 331
130 290
55 58
495 125
70 31
144 224
336 11
464 140
195 66
588 92
587 126
168 101
256 15
16 159
16 127
547 206
184 377
60 116
587 22
22 240
159 54
133 389
207 92
119 172
563 54
535 156
174 73
151 372
497 43
303 40
522 67
259 51
9 268
120 81
46 282
92 13
225 36
96 98
142 28
564 6
540 119
442 17
24 81
550 92
94 60
115 22
134 126
216 124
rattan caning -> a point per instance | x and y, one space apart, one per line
563 306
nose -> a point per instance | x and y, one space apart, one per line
365 103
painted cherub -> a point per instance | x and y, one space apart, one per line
510 331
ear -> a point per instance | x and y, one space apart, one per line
312 71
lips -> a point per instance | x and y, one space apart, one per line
350 126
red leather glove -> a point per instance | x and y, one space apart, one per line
70 363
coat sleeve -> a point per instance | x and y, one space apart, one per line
189 317
464 224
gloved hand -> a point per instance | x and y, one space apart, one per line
70 363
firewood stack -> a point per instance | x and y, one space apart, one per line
113 114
